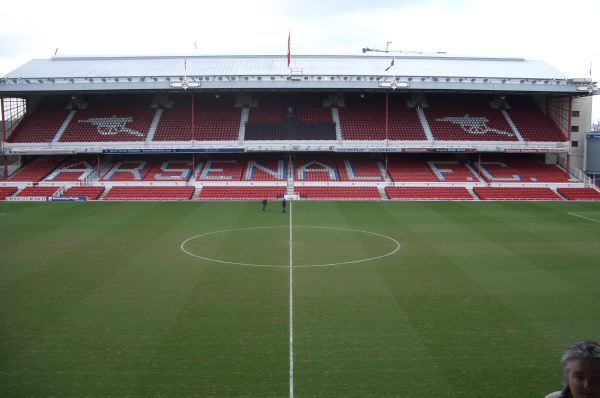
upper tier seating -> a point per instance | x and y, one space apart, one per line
261 131
241 193
579 193
38 169
111 118
90 192
5 192
150 193
215 118
287 117
267 120
363 118
519 168
38 191
428 193
531 122
466 118
313 131
493 193
42 122
312 121
338 193
176 122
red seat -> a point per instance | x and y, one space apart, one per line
242 192
579 194
494 193
90 192
338 193
150 193
428 193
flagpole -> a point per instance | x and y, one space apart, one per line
289 52
387 127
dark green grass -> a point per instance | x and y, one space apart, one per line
97 299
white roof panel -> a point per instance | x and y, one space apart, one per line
274 65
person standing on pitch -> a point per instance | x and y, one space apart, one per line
283 205
264 203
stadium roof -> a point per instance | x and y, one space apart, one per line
257 72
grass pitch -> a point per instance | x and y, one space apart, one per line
474 299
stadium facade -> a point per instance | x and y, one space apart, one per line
348 118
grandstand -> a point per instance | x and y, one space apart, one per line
248 127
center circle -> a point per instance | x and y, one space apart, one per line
311 246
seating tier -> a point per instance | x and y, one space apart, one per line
531 122
363 118
43 122
494 193
417 169
5 192
38 191
38 169
428 193
338 193
579 193
111 118
520 169
91 192
241 193
150 193
466 118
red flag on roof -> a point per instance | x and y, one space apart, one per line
289 54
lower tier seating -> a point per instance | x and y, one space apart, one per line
339 193
150 193
91 193
493 193
38 191
579 193
38 169
5 192
428 193
242 193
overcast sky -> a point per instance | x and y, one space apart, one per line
564 34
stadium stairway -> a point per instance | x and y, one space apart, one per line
103 194
472 193
382 192
154 125
335 114
197 191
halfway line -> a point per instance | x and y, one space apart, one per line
587 218
291 311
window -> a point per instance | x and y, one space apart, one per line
575 129
574 144
575 113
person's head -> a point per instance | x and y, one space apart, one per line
581 369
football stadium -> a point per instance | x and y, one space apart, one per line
322 226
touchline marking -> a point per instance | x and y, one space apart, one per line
291 308
362 260
587 218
